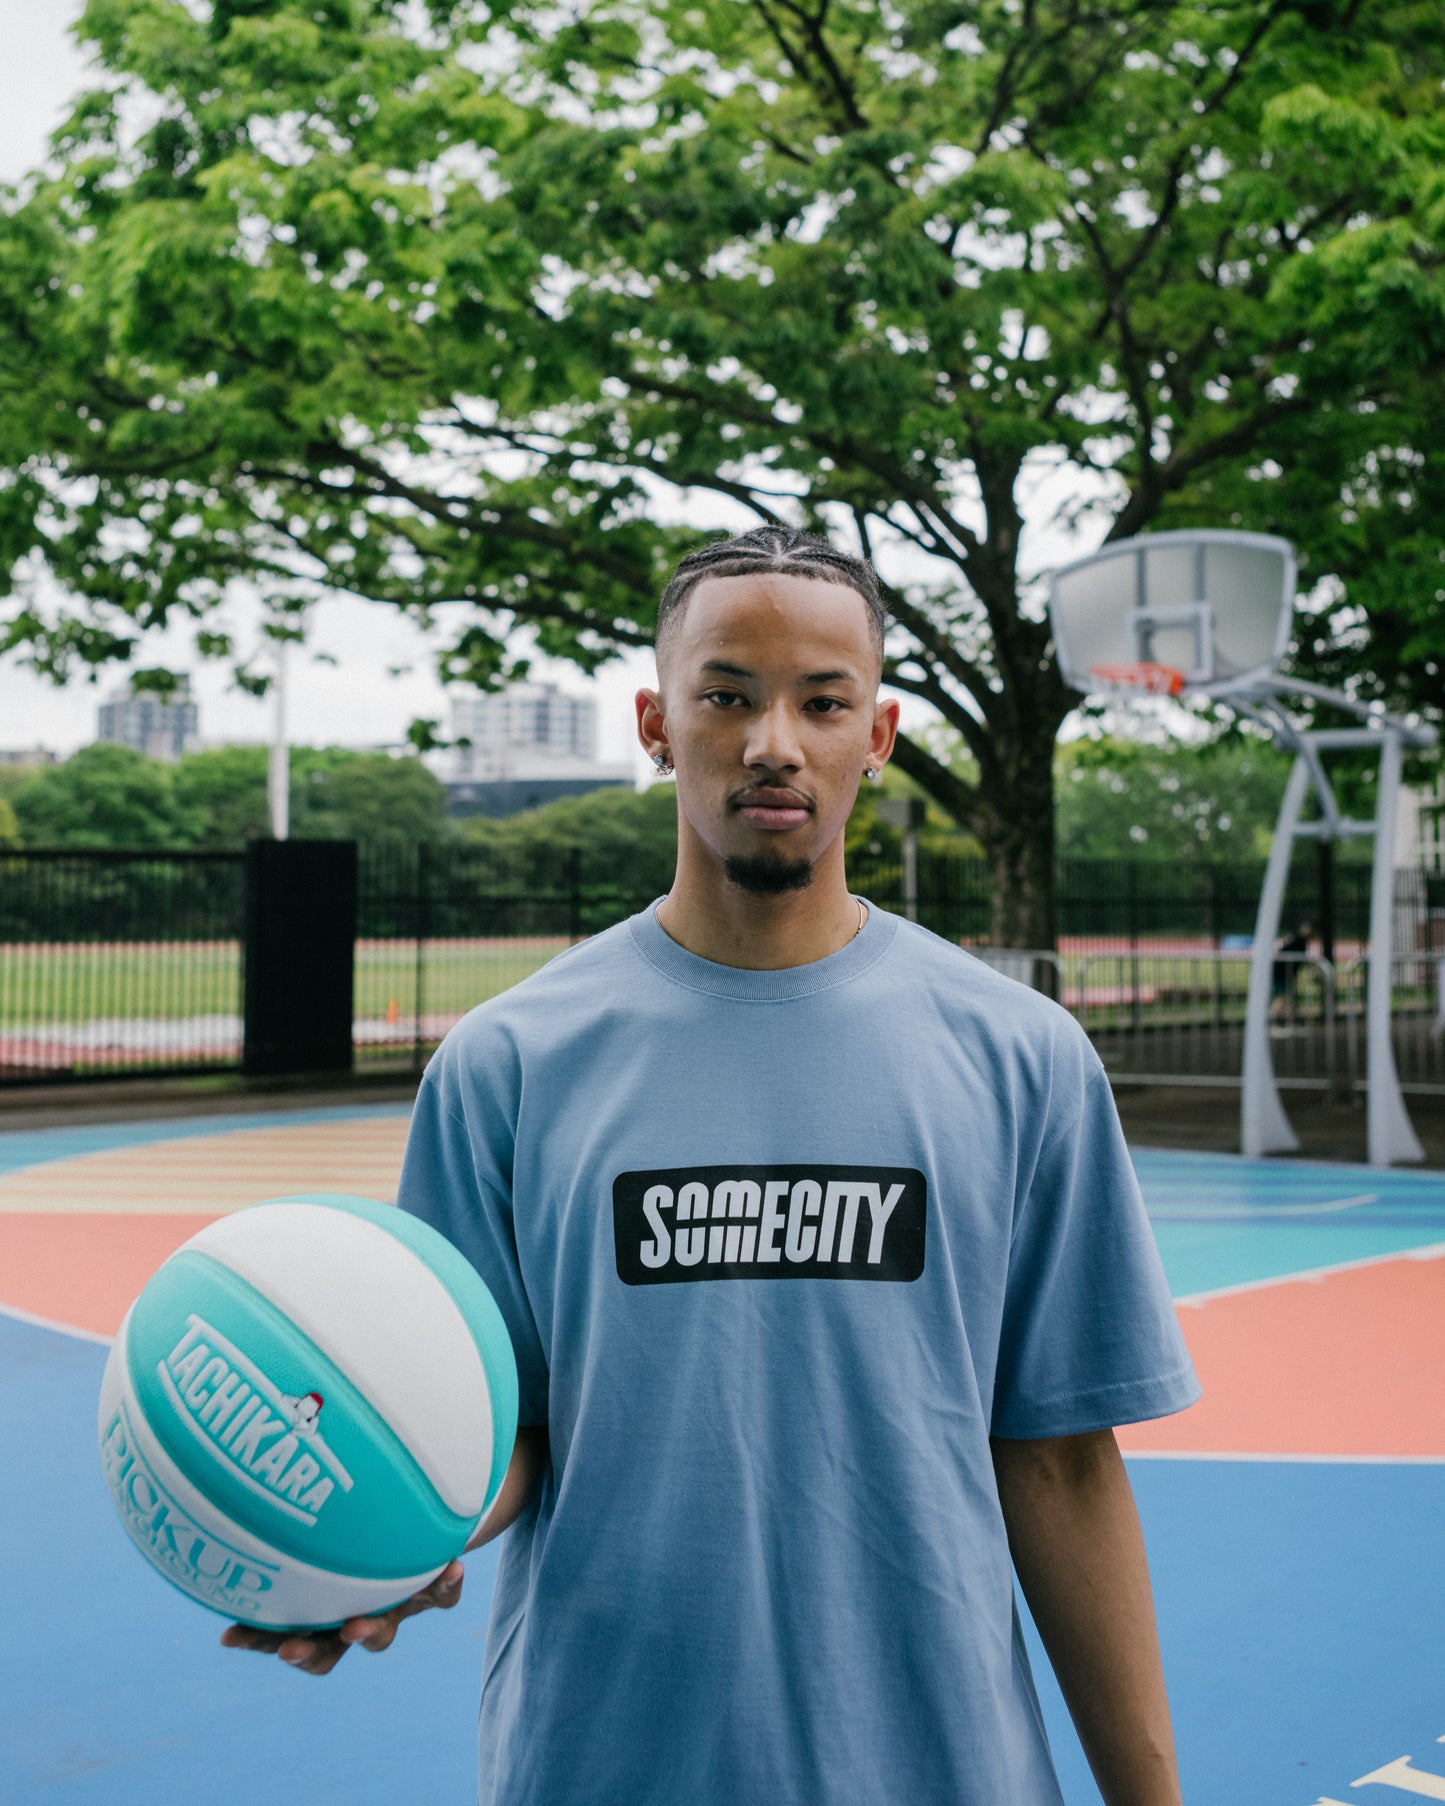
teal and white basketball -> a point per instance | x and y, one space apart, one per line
307 1411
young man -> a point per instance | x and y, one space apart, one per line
827 1277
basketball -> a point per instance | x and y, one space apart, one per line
307 1411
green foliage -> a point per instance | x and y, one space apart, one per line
103 796
111 796
462 316
627 836
869 838
223 791
1126 799
340 795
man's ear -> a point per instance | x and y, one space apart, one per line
885 732
651 724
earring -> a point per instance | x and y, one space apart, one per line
871 773
663 764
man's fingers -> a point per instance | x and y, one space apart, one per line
313 1655
246 1636
318 1652
377 1632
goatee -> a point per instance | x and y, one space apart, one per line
767 874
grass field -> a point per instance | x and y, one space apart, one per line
1167 1007
455 974
47 983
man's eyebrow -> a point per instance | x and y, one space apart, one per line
728 669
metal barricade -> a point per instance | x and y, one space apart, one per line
1038 967
1162 1016
1417 1019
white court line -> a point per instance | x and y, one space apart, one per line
63 1329
1433 1251
1307 1460
1253 1213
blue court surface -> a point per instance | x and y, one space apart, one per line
1300 1587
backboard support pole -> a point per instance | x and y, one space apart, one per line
1389 1132
1263 1126
1221 601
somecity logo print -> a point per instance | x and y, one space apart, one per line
769 1222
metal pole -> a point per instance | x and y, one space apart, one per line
1327 899
910 873
1135 1015
1389 1133
423 876
1263 1126
278 770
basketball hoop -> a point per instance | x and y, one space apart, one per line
1140 674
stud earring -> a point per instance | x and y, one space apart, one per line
663 764
871 773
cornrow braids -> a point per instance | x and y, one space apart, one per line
782 549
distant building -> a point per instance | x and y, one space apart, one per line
529 744
510 796
27 755
525 723
161 727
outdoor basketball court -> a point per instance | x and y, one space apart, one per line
1296 1516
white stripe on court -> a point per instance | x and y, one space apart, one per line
61 1329
1302 1460
1432 1251
1254 1213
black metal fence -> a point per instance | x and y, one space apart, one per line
114 962
444 927
1103 905
119 962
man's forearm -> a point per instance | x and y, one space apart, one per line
524 1473
1074 1533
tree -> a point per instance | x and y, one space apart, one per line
465 312
223 788
622 837
112 796
1130 799
370 797
102 796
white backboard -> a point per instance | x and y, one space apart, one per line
1204 611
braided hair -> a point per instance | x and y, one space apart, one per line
782 549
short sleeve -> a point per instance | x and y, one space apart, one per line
1089 1338
454 1177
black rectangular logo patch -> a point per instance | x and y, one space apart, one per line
769 1222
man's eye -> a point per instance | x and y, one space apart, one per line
723 698
826 705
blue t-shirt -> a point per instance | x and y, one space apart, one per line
778 1252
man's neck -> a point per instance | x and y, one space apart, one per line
718 920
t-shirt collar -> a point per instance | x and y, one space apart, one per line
748 986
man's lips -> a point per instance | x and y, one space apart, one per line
773 808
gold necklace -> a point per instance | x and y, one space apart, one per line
862 918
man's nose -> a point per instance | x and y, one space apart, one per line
773 741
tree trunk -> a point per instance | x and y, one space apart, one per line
1021 881
1016 830
1010 812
